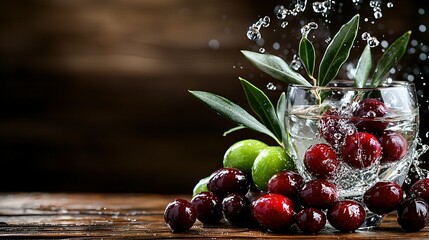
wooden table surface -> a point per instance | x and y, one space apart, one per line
139 216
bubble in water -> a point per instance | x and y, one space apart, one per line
271 86
296 64
390 5
261 50
305 30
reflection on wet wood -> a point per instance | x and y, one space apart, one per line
40 215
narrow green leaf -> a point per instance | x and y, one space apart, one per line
275 67
232 111
281 111
307 55
262 106
390 58
338 51
363 67
233 130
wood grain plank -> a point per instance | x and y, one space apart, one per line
139 216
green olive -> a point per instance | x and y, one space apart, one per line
270 161
242 154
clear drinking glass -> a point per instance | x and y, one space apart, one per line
331 114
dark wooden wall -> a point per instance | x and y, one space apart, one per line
94 93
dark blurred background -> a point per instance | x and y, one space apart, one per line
94 94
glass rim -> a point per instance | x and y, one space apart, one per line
390 85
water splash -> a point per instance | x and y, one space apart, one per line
305 30
271 86
283 12
371 41
323 7
296 64
376 7
261 50
254 33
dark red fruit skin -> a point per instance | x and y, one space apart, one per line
383 197
273 212
361 150
367 111
310 220
236 209
180 215
321 161
318 193
394 146
228 180
420 189
346 215
285 183
334 128
208 207
413 214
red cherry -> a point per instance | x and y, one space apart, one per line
346 215
228 180
310 220
413 214
236 209
318 193
333 127
285 183
273 211
394 146
208 207
180 215
383 197
420 189
321 161
361 150
368 110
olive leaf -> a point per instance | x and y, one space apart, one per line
390 58
232 111
308 55
275 67
262 106
363 68
338 51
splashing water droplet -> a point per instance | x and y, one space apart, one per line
427 134
261 50
322 7
296 64
265 21
390 5
271 86
365 36
305 30
253 33
378 15
375 3
373 42
284 24
328 40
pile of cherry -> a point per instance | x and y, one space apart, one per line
290 201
